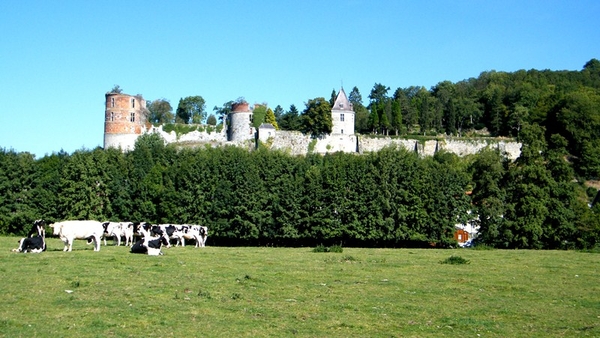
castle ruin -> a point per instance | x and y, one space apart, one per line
126 120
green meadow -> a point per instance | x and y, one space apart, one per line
284 292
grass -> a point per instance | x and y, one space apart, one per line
248 292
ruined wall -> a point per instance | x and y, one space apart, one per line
191 137
428 148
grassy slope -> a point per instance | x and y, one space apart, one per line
236 292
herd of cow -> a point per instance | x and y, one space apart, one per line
142 237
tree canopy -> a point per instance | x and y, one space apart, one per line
316 117
191 109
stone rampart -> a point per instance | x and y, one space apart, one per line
430 147
296 143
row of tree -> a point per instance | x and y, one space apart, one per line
390 198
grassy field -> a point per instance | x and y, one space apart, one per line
282 292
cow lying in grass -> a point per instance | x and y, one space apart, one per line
68 231
31 243
150 245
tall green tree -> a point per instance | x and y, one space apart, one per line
290 120
211 120
378 93
17 183
160 111
191 109
259 114
396 122
489 197
224 110
361 113
333 97
270 118
316 117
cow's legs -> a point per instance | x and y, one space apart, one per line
97 243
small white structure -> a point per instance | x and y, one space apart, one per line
265 131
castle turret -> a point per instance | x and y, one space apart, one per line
240 123
342 115
124 120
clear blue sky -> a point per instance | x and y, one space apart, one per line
59 58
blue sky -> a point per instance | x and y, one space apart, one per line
59 58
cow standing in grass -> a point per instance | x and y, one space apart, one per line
68 231
198 233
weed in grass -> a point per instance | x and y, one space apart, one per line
333 248
483 247
455 260
204 294
336 248
320 248
236 296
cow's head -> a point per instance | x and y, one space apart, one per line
164 240
105 226
56 228
37 228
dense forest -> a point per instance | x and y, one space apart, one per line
392 198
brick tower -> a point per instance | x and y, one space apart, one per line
124 120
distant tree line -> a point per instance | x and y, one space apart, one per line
391 198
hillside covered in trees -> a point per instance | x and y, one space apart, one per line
390 198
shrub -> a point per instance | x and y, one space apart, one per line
455 260
334 248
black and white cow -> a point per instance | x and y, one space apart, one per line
31 243
172 231
150 245
198 233
117 230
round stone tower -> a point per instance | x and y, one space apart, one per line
124 120
240 123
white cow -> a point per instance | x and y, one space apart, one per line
71 230
128 231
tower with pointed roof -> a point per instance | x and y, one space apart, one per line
342 115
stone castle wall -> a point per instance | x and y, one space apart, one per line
296 143
459 147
